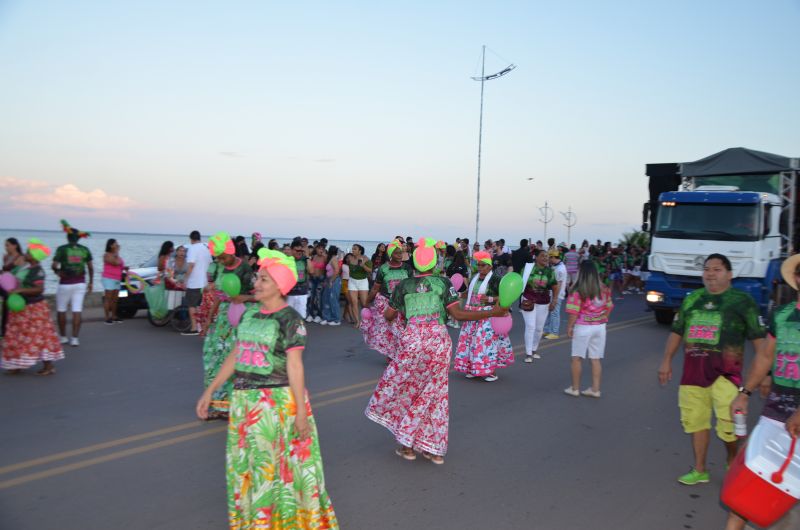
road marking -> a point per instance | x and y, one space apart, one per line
193 436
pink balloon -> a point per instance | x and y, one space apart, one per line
235 312
366 313
457 280
502 325
8 281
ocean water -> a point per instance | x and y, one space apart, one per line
135 249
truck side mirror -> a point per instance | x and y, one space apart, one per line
645 227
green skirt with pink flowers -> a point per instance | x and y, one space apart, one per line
274 479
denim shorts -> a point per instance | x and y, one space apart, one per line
110 285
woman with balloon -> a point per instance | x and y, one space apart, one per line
30 334
233 282
481 350
13 257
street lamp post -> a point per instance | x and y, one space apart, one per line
547 216
483 78
571 220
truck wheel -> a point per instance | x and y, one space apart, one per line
664 316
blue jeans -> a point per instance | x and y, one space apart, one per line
553 322
315 284
331 310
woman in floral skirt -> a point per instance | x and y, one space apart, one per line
30 335
380 334
221 334
411 399
480 351
273 463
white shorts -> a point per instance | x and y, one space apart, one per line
589 339
72 295
358 285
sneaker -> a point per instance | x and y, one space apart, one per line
117 321
190 333
469 376
109 322
551 336
63 340
309 319
537 356
74 341
572 391
529 358
334 323
694 477
591 393
490 378
323 322
317 320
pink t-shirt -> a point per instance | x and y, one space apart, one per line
113 272
590 312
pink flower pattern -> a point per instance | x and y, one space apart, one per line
380 335
480 351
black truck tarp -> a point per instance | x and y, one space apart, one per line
738 161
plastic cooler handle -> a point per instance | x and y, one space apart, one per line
777 477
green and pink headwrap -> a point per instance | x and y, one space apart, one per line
482 257
394 245
280 267
441 245
425 254
38 250
221 243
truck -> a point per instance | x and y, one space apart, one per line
738 202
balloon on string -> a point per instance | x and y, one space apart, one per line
231 285
366 314
8 282
235 312
501 325
457 280
510 289
15 302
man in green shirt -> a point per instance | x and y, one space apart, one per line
72 263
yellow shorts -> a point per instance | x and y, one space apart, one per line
697 402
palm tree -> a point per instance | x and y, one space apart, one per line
636 238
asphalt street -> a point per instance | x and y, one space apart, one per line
111 440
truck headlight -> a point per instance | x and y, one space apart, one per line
654 297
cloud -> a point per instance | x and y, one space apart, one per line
71 197
12 183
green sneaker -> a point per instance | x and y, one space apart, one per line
694 477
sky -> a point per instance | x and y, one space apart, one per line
359 120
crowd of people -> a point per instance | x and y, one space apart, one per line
402 298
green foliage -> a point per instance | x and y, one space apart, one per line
636 238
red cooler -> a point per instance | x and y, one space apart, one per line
764 481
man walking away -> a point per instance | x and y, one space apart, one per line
71 264
198 258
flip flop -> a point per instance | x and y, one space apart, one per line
405 454
46 371
436 459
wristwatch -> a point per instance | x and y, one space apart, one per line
743 390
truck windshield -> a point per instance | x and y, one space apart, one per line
726 222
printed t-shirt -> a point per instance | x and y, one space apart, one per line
571 259
590 312
714 328
389 277
492 289
424 298
301 287
31 277
358 272
540 282
72 260
784 396
198 254
242 270
262 343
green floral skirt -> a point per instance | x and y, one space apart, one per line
218 344
274 480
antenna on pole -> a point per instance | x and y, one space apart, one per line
483 78
547 216
571 220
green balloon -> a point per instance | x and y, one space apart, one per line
231 285
510 289
15 303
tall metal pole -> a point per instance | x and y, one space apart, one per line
571 220
547 216
480 142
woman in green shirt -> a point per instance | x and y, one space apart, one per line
358 284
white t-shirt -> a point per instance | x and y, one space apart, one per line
561 277
198 254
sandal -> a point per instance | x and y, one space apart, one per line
436 459
15 371
47 371
406 453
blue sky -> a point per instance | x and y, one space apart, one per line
360 120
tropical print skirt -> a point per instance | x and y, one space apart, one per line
30 337
274 480
411 399
216 347
206 303
380 334
480 351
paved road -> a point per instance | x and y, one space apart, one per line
110 441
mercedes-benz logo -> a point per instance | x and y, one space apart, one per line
699 261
